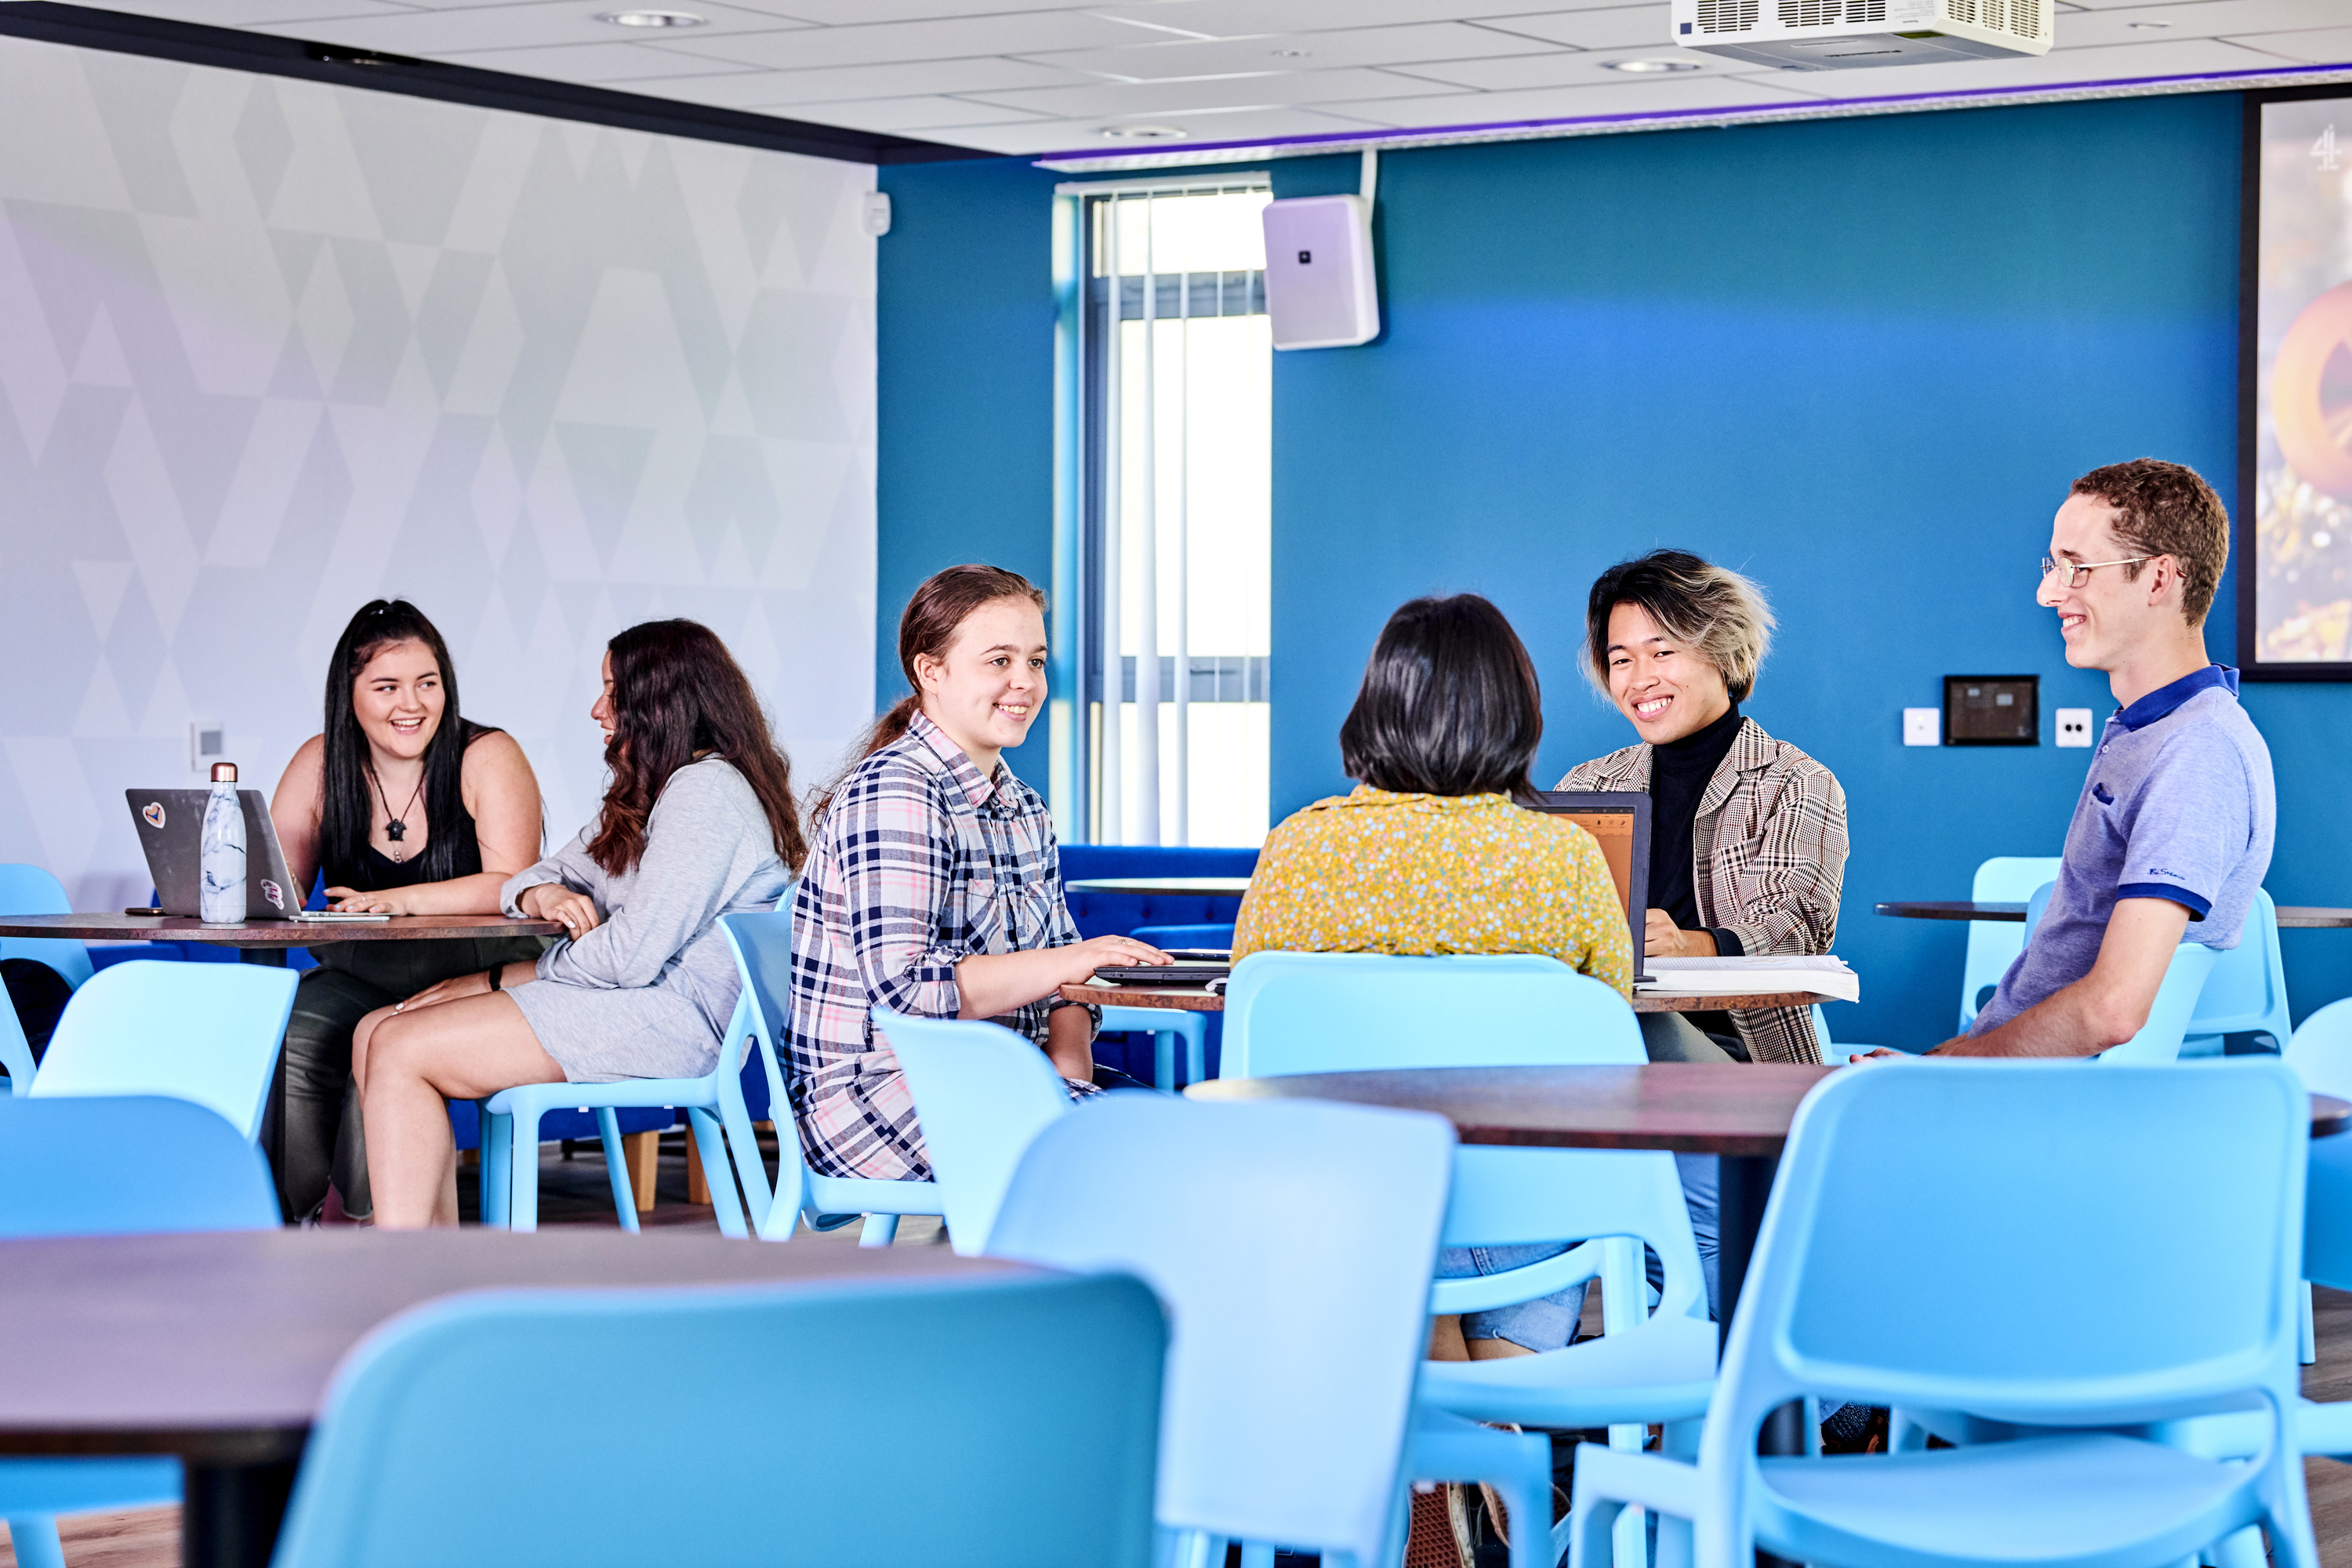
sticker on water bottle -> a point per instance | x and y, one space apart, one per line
154 814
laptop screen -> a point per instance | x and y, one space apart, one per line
1620 820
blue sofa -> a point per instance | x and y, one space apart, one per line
1116 914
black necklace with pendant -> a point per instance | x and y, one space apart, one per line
394 828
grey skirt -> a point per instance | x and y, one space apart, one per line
603 1037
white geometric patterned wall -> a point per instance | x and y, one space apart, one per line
269 349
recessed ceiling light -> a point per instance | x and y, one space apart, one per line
652 18
1650 67
1145 132
2150 26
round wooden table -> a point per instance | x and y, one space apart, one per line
2290 917
1194 999
265 941
218 1348
1174 886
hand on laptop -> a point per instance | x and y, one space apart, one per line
352 902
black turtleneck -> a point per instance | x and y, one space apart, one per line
1679 772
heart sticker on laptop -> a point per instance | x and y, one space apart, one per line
270 891
153 813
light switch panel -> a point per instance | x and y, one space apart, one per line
2073 726
1923 726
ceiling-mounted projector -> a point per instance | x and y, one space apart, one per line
1833 35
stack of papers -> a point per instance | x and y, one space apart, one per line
1826 976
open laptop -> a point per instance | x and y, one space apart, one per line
1620 819
170 824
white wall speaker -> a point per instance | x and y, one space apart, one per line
1319 288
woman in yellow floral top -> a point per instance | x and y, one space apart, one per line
1432 855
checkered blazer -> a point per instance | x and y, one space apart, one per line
919 863
1770 846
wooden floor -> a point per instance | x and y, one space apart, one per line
573 1191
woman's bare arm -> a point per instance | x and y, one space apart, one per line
502 795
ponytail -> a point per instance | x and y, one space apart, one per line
933 615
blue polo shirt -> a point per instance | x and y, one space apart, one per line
2179 805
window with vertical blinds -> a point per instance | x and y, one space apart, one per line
1175 543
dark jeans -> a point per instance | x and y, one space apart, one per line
310 1129
39 995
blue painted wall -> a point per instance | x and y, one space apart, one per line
1860 360
964 392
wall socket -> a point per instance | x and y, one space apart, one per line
2073 726
208 745
1923 726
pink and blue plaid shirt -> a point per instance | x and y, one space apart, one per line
919 863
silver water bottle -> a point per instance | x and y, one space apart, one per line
223 851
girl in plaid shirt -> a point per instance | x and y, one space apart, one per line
934 886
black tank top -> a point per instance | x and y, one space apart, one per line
378 872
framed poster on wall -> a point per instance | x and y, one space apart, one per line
2295 440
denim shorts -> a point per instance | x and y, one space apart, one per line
1545 1323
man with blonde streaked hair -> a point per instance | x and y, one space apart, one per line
2172 833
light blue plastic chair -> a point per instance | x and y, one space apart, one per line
1166 1025
1993 945
2160 1039
1009 1420
762 945
982 1094
2164 1289
1351 1012
122 1164
511 1119
1292 1242
2321 1053
208 1032
2246 993
15 1054
30 890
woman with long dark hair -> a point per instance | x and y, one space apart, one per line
935 886
698 822
408 809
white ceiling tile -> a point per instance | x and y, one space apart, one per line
1253 18
1674 94
1033 32
1086 135
2198 19
257 13
920 116
1610 27
987 74
2322 46
590 62
860 13
1297 51
1163 97
510 27
1573 67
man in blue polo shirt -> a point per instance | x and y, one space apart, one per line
2172 834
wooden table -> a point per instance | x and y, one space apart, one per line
265 941
1203 887
2290 917
218 1348
1193 999
1737 1111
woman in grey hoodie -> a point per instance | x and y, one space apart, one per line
699 823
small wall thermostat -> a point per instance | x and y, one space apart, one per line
1992 710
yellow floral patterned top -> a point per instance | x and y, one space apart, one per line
1376 873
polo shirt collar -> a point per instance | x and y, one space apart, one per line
2161 701
977 790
